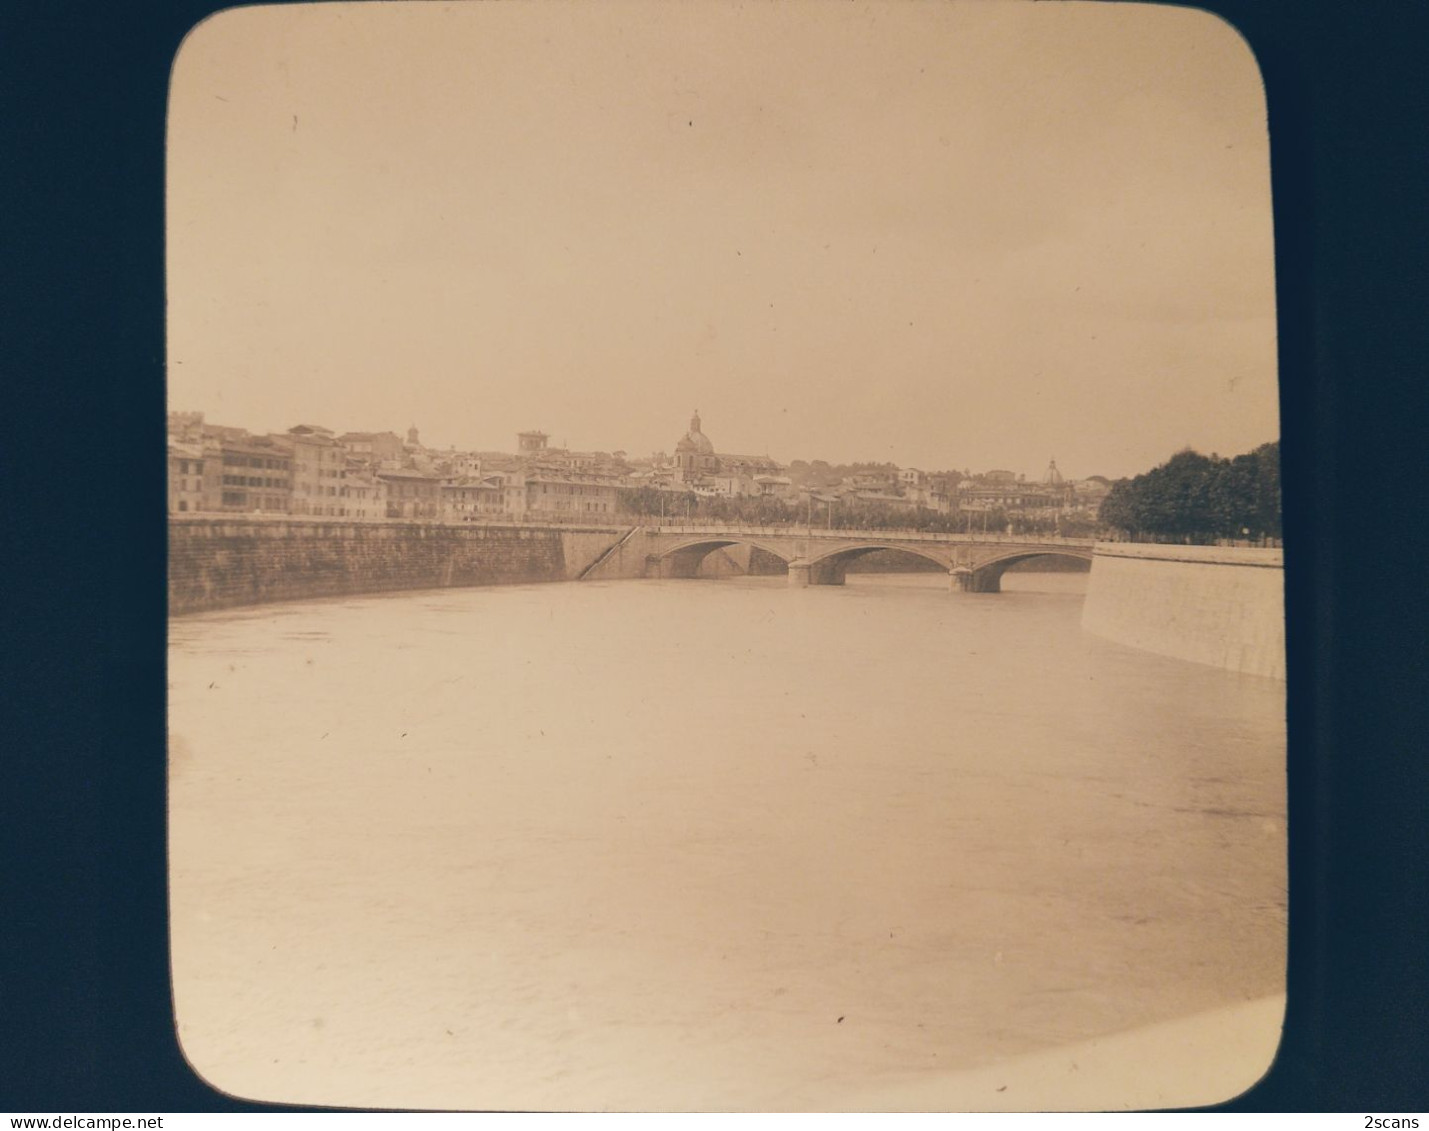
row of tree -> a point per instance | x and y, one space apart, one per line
844 514
1197 498
1191 497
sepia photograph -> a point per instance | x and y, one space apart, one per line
724 557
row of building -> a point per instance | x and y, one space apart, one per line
311 470
699 468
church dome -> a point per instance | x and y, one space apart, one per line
1053 478
694 440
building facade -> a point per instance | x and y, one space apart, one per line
188 489
473 499
319 468
411 494
256 475
375 449
544 492
362 495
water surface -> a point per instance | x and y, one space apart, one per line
701 844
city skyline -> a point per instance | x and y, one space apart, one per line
968 236
667 451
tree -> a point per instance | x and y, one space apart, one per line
1078 526
1119 508
1232 496
1267 489
1198 498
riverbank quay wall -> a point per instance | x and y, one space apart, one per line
230 561
1212 605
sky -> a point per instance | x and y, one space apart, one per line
947 235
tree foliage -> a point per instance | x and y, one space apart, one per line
849 513
1200 498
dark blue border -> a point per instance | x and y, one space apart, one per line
84 995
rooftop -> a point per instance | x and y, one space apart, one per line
405 473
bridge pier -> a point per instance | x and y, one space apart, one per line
830 571
967 580
803 573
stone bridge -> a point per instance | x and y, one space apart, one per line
974 562
221 561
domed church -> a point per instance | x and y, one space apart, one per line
695 453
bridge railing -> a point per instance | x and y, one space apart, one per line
892 534
619 522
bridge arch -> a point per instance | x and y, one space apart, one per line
831 568
822 557
685 559
986 577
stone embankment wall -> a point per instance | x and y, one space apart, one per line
217 563
1207 604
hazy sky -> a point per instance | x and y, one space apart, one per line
943 234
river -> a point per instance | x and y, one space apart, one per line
710 845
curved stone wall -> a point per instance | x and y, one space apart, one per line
1210 605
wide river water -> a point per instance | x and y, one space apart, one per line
712 845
